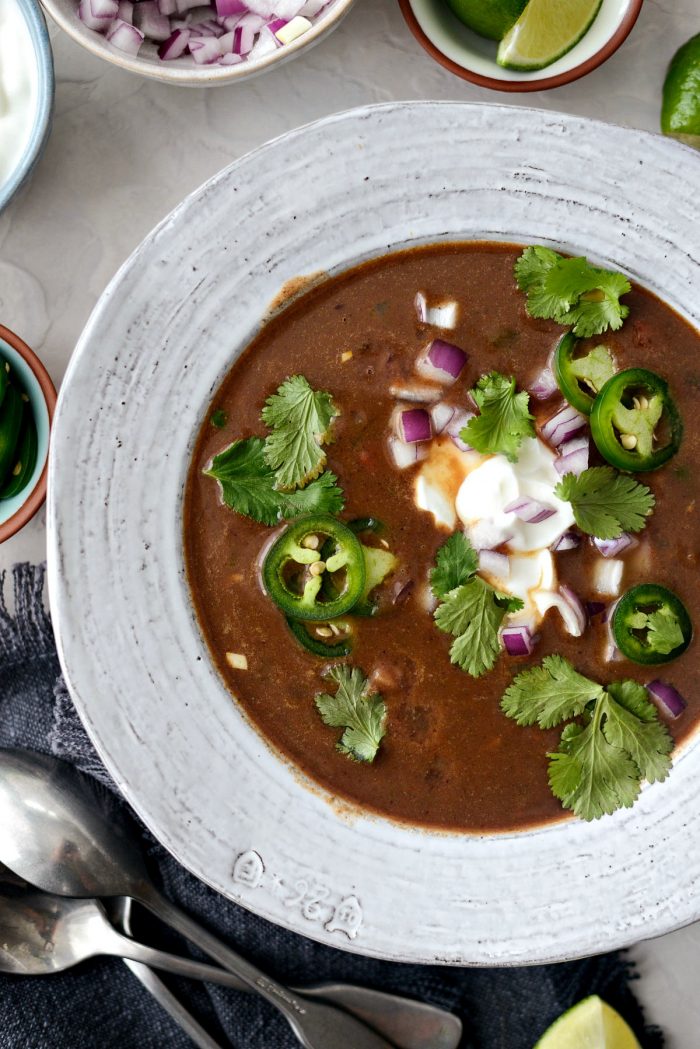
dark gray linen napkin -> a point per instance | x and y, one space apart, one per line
100 1005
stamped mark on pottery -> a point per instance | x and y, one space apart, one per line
313 900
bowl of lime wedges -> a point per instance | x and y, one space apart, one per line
27 402
521 45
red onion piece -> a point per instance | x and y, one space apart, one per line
404 455
444 315
151 22
595 608
573 457
494 563
126 11
441 414
576 605
567 541
230 7
230 60
518 640
205 50
667 697
614 547
125 36
175 45
167 7
414 425
441 361
545 385
454 428
564 425
529 510
98 14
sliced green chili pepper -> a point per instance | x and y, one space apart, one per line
27 448
308 638
626 415
10 423
651 624
580 379
293 571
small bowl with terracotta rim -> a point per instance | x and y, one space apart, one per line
473 57
39 388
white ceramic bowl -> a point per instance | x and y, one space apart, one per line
161 339
472 57
185 71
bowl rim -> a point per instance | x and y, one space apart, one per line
197 76
39 33
37 495
540 84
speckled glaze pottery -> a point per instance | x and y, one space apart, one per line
159 342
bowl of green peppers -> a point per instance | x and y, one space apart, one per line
27 402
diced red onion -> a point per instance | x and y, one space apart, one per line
443 315
422 393
566 424
405 455
441 414
454 428
614 547
414 425
167 7
494 563
230 60
595 608
573 457
529 510
98 14
441 361
545 385
518 640
205 50
126 12
612 652
210 26
607 576
151 22
175 45
667 696
125 36
230 7
567 541
275 24
576 605
265 44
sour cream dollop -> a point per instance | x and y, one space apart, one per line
471 490
18 87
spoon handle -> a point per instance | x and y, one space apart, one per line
316 1025
172 1005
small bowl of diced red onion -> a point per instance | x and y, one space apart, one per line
195 43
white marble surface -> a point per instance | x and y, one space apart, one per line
124 151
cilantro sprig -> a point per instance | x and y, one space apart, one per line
572 291
281 476
606 503
504 417
470 609
603 757
300 419
356 709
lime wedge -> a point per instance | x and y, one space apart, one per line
545 31
592 1024
680 112
491 18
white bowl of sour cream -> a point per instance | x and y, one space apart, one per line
26 92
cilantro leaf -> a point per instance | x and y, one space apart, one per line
248 486
664 631
455 563
606 503
549 694
473 613
572 291
594 369
589 775
300 419
602 759
357 710
504 417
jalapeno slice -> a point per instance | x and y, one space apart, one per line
651 624
293 571
580 379
634 421
309 636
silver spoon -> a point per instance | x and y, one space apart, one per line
55 835
407 1023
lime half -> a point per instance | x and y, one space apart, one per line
491 18
545 31
680 112
592 1024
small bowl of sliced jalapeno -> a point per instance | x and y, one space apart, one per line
27 402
